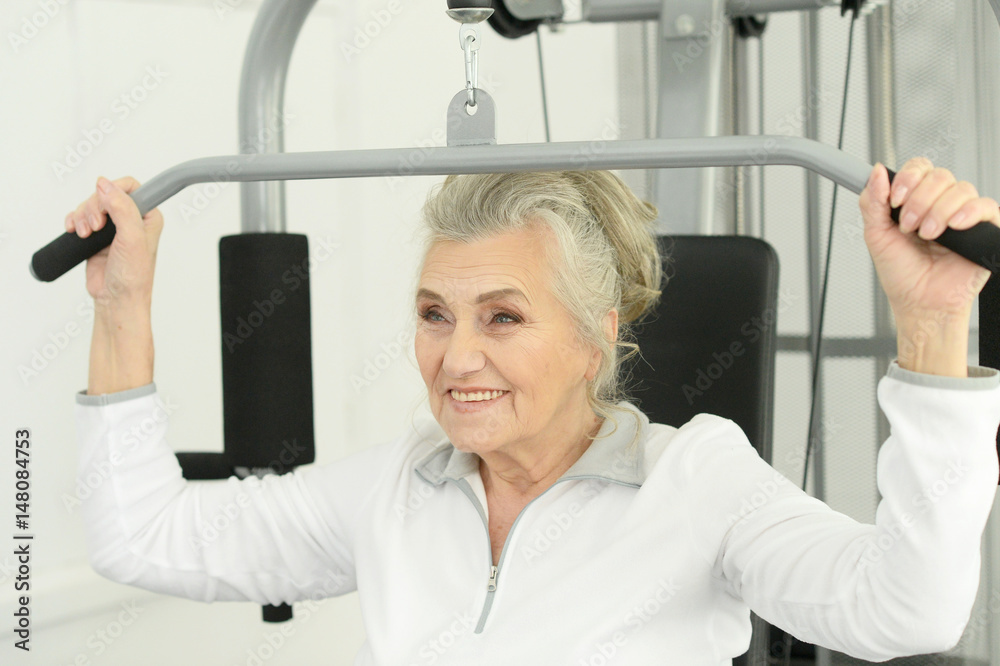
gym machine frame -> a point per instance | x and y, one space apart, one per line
688 108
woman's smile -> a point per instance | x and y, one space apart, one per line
469 403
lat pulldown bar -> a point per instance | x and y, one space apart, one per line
980 244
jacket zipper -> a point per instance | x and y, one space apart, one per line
491 584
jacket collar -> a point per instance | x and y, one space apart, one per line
608 457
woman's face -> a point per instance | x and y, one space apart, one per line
487 321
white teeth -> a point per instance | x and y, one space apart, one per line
475 397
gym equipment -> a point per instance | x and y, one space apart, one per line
980 244
263 168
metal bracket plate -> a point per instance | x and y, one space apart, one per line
479 128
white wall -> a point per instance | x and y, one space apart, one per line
60 84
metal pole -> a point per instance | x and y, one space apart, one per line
597 11
882 148
693 38
747 102
261 105
810 92
814 233
741 123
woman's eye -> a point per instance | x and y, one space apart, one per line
433 315
428 314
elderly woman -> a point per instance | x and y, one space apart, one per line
539 517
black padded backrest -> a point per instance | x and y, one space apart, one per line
709 345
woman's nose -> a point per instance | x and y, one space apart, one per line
464 353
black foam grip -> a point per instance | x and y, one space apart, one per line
266 350
68 250
989 329
979 244
199 466
277 613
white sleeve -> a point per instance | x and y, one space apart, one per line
905 585
271 540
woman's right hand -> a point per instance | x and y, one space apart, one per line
121 275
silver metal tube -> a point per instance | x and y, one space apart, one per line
810 92
741 122
882 148
849 171
261 105
689 106
748 120
597 11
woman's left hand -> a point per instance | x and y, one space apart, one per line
924 280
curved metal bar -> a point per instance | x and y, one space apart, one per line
980 244
850 172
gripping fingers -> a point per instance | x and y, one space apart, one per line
922 198
907 178
945 210
974 211
80 221
89 216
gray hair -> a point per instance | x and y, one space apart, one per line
605 255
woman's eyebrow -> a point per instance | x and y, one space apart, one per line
496 294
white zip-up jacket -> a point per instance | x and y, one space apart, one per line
651 555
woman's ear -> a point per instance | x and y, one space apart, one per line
611 325
610 334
